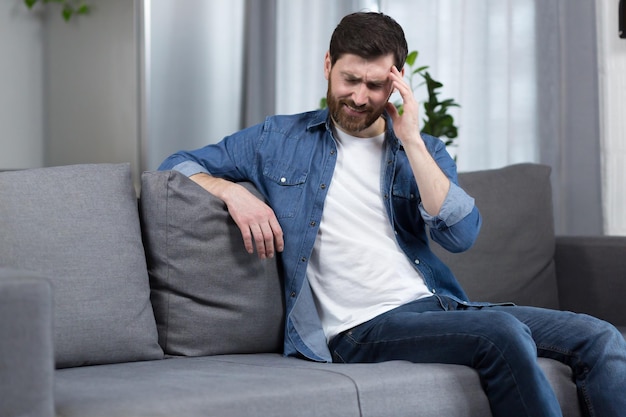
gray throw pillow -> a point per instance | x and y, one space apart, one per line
512 259
79 226
209 295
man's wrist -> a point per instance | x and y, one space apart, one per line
219 187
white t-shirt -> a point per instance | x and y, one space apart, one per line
357 270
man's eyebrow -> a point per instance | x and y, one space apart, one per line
350 76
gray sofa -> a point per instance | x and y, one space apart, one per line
111 311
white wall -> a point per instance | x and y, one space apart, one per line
612 79
91 82
21 87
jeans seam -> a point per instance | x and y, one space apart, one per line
580 377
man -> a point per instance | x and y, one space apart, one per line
351 190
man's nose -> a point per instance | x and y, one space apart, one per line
360 95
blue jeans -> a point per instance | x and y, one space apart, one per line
502 343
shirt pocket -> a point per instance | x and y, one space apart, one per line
405 188
285 184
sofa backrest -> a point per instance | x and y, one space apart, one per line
78 226
512 259
209 295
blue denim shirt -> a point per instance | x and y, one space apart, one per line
290 159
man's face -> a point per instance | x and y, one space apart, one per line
358 90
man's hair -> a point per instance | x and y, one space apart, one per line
369 35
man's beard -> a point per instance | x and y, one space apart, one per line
347 122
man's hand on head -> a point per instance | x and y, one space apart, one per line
406 126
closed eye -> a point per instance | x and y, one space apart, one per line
375 86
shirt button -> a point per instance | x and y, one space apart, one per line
303 259
283 180
417 261
293 294
433 290
313 223
323 186
332 152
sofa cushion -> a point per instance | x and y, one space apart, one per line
79 226
273 385
209 295
202 386
512 259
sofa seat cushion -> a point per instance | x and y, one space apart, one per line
200 387
433 389
209 295
272 385
396 388
513 257
79 226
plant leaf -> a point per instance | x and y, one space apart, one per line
411 57
30 3
83 8
67 12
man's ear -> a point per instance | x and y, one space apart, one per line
327 65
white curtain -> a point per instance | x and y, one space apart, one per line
483 53
612 74
192 68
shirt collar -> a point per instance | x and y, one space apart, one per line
320 118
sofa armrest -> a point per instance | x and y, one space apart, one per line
591 276
26 345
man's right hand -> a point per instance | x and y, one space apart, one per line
255 219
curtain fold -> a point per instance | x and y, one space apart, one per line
568 112
483 52
259 62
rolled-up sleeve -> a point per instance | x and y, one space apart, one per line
190 168
457 225
456 206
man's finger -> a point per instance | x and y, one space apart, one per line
268 240
277 233
247 239
259 240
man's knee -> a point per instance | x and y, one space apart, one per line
506 335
